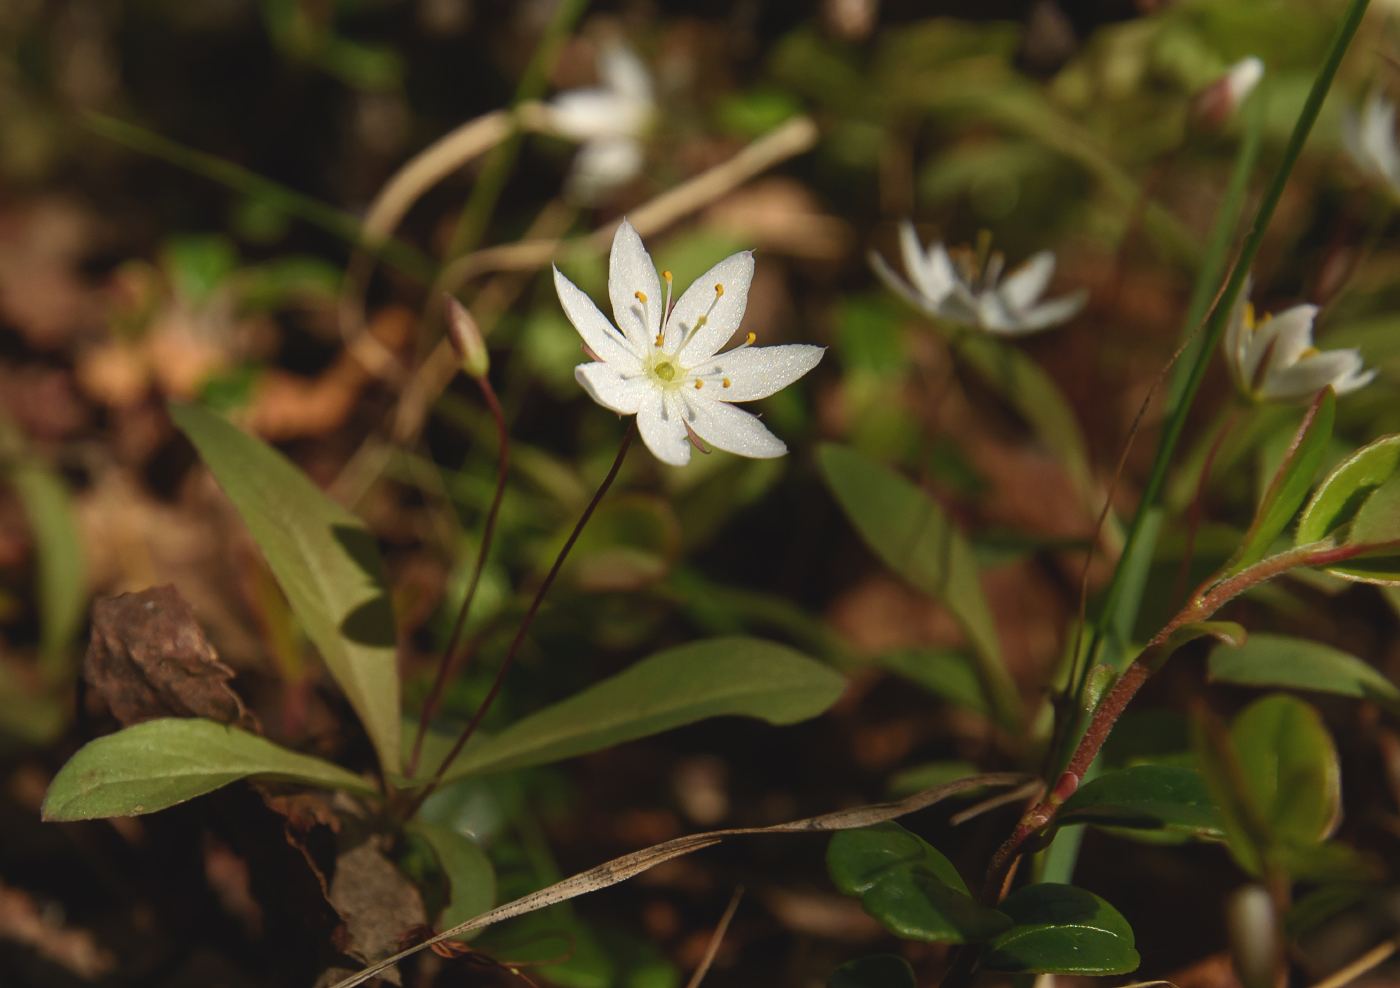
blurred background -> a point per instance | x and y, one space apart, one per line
176 182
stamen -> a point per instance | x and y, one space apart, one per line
726 382
642 297
699 384
658 338
719 292
749 341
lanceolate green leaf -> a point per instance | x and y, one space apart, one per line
1359 501
950 675
1290 485
1146 797
1296 663
915 538
150 766
1061 929
712 678
62 588
324 559
470 877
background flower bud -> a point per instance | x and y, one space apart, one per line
466 339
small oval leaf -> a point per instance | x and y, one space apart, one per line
159 763
856 859
1061 929
1290 764
914 904
470 877
1146 797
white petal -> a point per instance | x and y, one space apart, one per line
757 372
610 389
626 74
630 271
601 165
1027 283
1378 137
899 286
1243 76
932 271
606 342
583 114
731 429
1308 376
1291 332
1052 313
662 429
735 273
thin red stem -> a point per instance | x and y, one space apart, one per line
529 618
1193 523
444 673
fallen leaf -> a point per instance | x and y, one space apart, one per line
148 658
375 900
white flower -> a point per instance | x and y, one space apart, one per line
610 120
1370 140
1275 360
663 364
1242 77
977 298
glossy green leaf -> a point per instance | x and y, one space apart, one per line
159 763
58 545
876 971
1247 833
947 674
1296 663
1227 632
1337 507
1290 484
857 859
733 676
1290 764
324 559
916 539
1146 797
914 904
1061 929
471 879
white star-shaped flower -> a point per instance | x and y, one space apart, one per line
609 120
961 294
1370 140
1275 360
663 365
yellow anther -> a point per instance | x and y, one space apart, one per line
642 297
667 276
719 290
1249 315
749 341
726 382
658 339
699 385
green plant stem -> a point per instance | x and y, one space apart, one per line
519 640
395 253
499 164
1216 321
445 667
1193 520
1208 599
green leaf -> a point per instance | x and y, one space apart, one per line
1290 764
917 778
1378 524
470 877
1227 632
62 582
1291 483
857 859
1246 831
947 674
1321 904
1061 929
1146 797
324 559
733 676
915 538
1337 506
159 763
876 971
1296 663
914 904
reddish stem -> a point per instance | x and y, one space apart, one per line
445 666
525 624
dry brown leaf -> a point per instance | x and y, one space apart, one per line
42 292
631 865
375 900
76 950
148 658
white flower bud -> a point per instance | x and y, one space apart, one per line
1215 104
1254 943
466 339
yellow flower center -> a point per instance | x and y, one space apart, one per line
665 370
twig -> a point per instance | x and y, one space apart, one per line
1031 790
450 652
526 622
1358 967
716 939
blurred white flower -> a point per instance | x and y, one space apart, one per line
609 120
1370 140
959 292
1217 102
663 366
1275 360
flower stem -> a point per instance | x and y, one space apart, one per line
449 654
529 618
